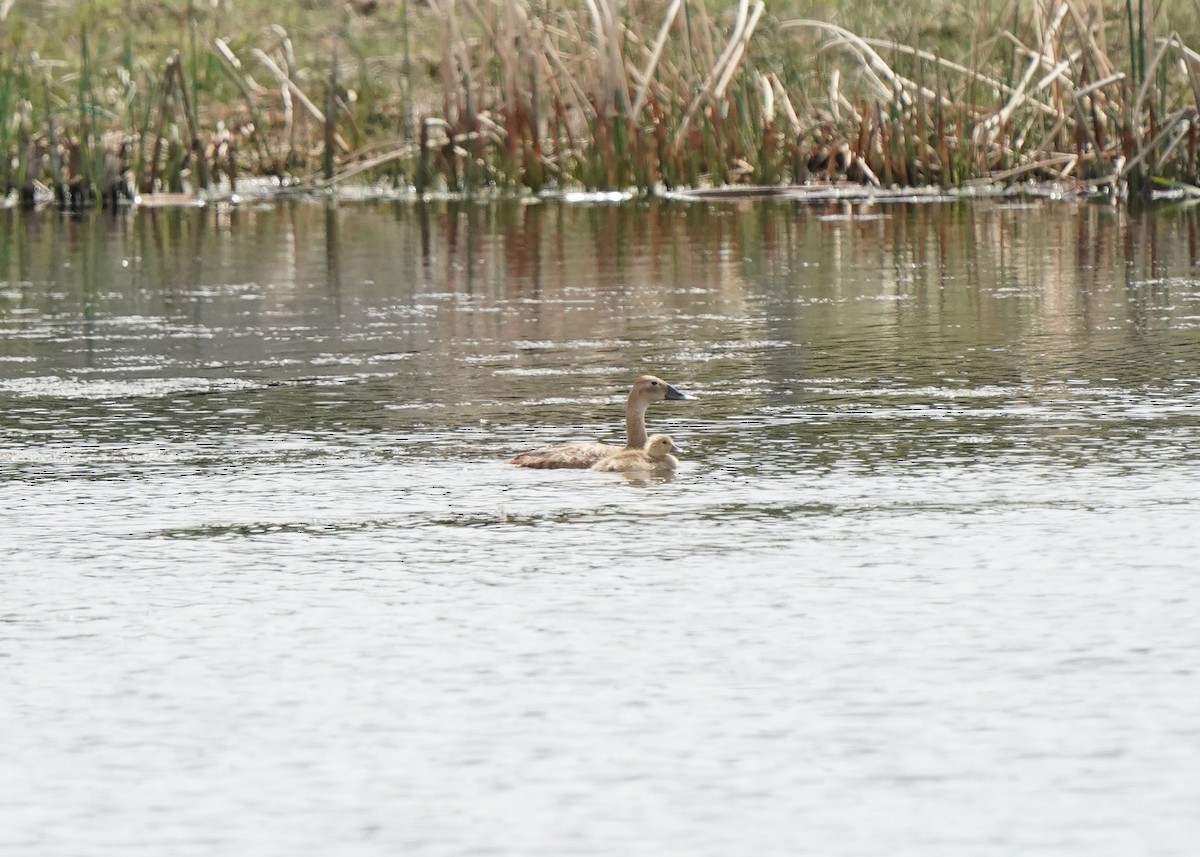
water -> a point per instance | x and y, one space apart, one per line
925 583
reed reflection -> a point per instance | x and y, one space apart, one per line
979 284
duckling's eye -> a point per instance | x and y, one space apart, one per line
653 383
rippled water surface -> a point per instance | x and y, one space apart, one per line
926 582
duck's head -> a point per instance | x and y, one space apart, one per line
659 446
648 388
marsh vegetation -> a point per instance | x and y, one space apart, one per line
107 98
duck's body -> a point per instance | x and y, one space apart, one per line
654 457
646 390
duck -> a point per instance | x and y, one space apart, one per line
647 390
655 456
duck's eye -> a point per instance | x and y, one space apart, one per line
653 383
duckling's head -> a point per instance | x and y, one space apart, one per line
649 389
659 446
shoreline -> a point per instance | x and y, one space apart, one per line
266 191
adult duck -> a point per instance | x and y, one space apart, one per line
654 457
646 390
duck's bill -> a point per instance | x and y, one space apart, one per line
672 393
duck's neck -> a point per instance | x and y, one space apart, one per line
635 425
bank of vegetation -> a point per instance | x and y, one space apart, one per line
104 99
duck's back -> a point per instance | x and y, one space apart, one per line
577 455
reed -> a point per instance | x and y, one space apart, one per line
478 96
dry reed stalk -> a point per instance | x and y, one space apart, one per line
488 26
577 116
1164 45
1112 79
509 51
369 165
225 155
156 152
585 80
1025 169
248 88
290 89
788 109
1087 32
195 146
972 75
874 68
534 155
923 163
330 127
1047 59
1087 126
1049 138
882 134
740 42
722 71
708 47
1053 77
1173 128
1188 68
554 58
942 150
660 42
611 79
767 94
448 61
552 62
243 79
1176 128
615 38
988 129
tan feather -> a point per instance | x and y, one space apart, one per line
577 455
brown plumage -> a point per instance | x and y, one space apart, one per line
656 456
646 390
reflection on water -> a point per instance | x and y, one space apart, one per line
924 583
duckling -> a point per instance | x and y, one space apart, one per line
656 456
646 390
